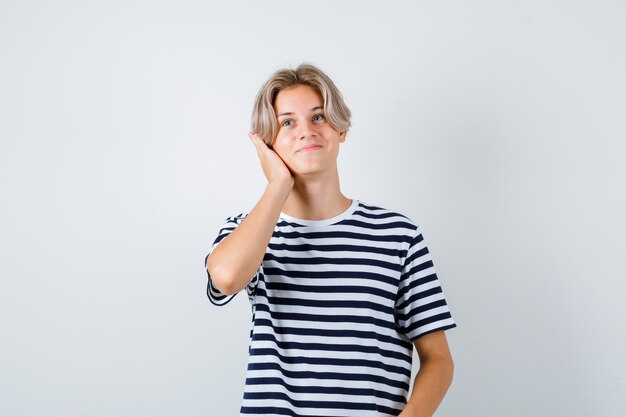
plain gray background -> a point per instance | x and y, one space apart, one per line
498 126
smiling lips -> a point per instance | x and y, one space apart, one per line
310 148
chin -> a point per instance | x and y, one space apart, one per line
308 172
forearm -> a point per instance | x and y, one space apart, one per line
430 386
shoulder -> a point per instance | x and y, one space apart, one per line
233 221
387 216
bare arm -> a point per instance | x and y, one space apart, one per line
433 378
234 261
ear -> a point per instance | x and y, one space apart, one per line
342 136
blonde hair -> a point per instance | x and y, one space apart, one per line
264 121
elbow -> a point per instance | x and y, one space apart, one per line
451 369
445 366
447 363
448 369
220 279
221 286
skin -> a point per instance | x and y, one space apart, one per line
315 194
434 376
311 180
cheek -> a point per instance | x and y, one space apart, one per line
278 137
276 142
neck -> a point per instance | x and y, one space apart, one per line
316 199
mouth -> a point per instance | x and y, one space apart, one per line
309 148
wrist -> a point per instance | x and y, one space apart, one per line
281 186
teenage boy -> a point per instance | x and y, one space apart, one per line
341 290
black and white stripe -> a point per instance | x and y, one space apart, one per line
336 305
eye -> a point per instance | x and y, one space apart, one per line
320 115
285 121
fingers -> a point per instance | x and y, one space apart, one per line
256 139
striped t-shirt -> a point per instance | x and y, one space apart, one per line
336 305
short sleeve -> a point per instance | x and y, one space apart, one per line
421 306
216 296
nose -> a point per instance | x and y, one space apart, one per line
307 129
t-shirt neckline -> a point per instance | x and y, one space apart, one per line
324 222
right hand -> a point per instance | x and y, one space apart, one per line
273 166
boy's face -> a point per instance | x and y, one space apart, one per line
305 124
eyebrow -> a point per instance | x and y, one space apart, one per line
314 108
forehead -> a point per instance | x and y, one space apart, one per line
300 98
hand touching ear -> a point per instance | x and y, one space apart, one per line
273 166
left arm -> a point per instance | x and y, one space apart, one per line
434 376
